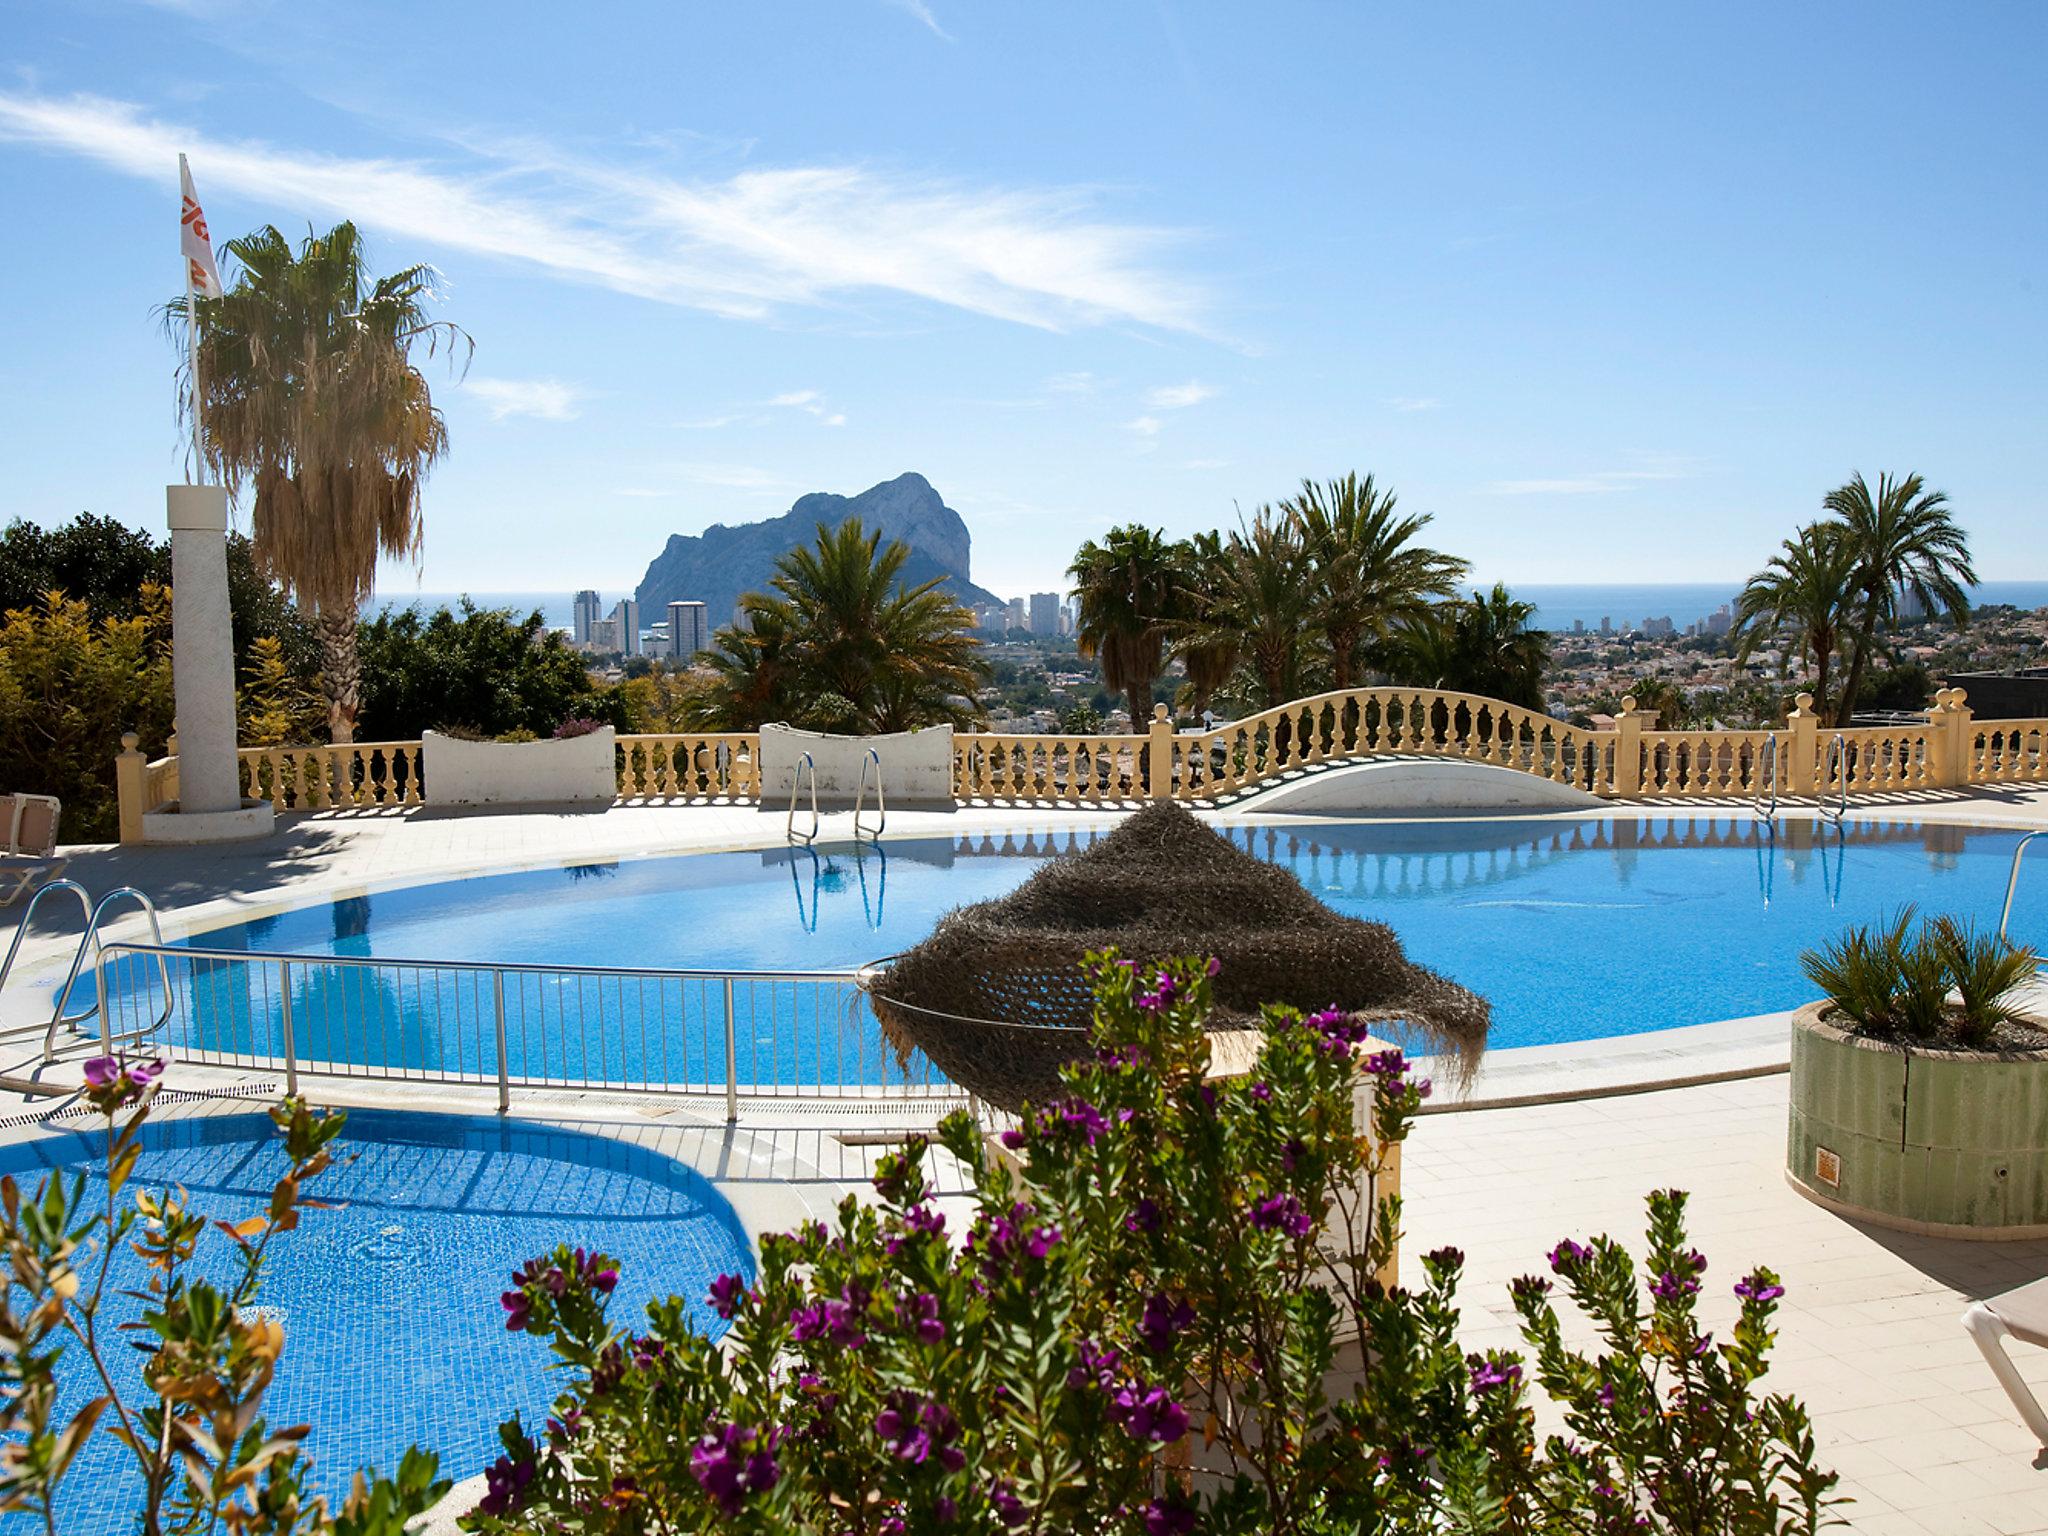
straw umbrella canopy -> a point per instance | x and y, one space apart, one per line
997 999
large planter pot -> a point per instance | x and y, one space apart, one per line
1951 1143
568 771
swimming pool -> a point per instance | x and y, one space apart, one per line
394 1335
1574 929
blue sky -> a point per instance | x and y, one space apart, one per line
1616 291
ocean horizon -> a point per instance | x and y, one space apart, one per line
1558 605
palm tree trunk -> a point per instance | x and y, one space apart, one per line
341 675
1859 662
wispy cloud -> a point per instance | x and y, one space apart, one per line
1599 483
812 404
1413 402
547 399
1144 426
750 245
923 13
1081 383
1178 397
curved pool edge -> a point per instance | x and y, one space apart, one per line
1576 1071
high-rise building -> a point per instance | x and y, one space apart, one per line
1606 626
1045 613
1017 616
604 635
586 613
626 619
688 632
1578 626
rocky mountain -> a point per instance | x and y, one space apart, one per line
717 565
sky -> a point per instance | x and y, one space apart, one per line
1614 292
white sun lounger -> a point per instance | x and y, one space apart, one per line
2022 1315
29 823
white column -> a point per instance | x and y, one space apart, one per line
203 650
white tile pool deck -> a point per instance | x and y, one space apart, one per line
1870 1335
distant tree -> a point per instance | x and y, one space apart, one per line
1805 591
1081 720
1906 686
1257 602
838 643
105 564
1129 590
479 670
1906 543
69 687
1369 581
1481 645
312 403
1661 702
1205 643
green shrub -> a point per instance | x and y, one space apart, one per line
1942 984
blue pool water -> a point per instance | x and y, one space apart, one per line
394 1335
1574 929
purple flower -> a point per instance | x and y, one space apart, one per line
1164 1320
1386 1065
838 1320
102 1070
919 1429
1169 1515
1041 1241
1145 1216
727 1292
732 1461
1671 1287
518 1310
1284 1213
944 1510
1015 1139
1097 1365
1213 967
1009 1508
1260 1092
920 1313
1148 1414
1446 1258
1529 1287
1292 1153
505 1485
1568 1255
1488 1375
1758 1287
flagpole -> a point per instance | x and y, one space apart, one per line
192 345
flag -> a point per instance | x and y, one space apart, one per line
200 272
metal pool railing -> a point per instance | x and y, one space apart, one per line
775 1035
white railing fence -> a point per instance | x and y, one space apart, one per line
735 1035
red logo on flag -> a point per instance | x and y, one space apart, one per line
194 217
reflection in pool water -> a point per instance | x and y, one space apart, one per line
1574 929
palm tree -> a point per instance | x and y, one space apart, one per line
312 402
1484 646
839 644
1129 589
1206 644
1257 604
1905 541
1369 579
1806 589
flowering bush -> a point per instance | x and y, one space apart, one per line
1152 1325
206 1458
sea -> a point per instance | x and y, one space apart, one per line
1558 606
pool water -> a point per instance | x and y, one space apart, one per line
1573 929
394 1335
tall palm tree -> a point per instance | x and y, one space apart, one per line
1370 580
313 403
1129 590
838 643
1806 589
1251 603
1483 645
1905 542
1207 645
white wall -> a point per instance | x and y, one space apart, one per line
579 769
917 766
1416 784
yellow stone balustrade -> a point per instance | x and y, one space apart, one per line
1947 749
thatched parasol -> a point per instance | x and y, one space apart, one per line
996 998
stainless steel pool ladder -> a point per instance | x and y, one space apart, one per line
1767 785
1838 775
2012 882
805 769
870 759
90 943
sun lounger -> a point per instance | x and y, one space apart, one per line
30 825
2022 1315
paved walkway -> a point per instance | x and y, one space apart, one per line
1870 1335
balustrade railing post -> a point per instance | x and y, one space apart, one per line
504 1070
732 1065
1801 775
291 1053
1951 723
1628 750
1159 756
